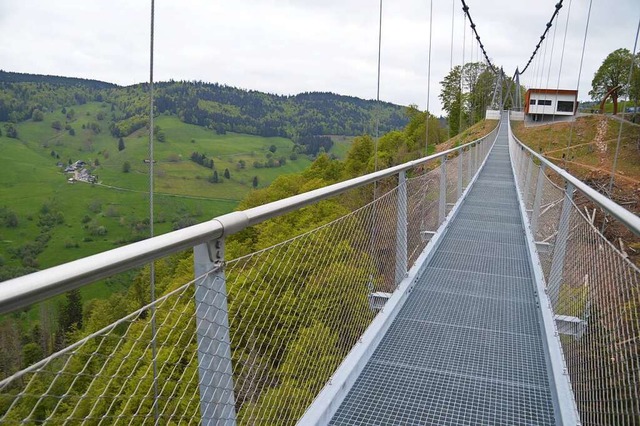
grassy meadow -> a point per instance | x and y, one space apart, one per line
111 213
589 149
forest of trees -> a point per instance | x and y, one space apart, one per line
466 93
303 320
215 106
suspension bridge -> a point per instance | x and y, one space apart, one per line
470 288
493 300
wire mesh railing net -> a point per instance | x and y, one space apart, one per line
294 310
288 314
594 291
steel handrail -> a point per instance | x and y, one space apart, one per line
23 291
630 220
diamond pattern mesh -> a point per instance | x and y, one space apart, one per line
466 348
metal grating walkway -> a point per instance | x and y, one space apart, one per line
466 348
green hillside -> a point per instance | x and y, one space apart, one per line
214 144
276 314
212 105
185 195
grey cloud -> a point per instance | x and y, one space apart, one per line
301 45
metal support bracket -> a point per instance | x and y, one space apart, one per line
215 249
570 326
543 247
378 299
425 236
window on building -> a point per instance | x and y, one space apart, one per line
544 102
565 106
532 102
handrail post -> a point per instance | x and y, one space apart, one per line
469 165
442 210
537 201
519 167
486 145
401 229
217 403
559 251
527 182
523 166
475 158
460 163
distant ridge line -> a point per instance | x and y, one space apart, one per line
18 77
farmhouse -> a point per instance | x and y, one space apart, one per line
80 173
547 104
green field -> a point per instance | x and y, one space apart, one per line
30 179
341 146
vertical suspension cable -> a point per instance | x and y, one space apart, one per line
471 46
464 41
374 265
423 213
542 66
584 44
477 47
152 270
624 104
553 44
426 140
532 76
564 42
453 16
375 153
477 97
483 100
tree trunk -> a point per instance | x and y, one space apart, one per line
614 96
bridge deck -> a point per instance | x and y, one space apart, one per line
466 348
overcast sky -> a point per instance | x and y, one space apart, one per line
292 46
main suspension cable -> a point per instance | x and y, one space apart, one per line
426 140
544 35
465 8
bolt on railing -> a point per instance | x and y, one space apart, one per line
593 289
249 340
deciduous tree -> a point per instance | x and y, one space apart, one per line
37 115
451 98
613 72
